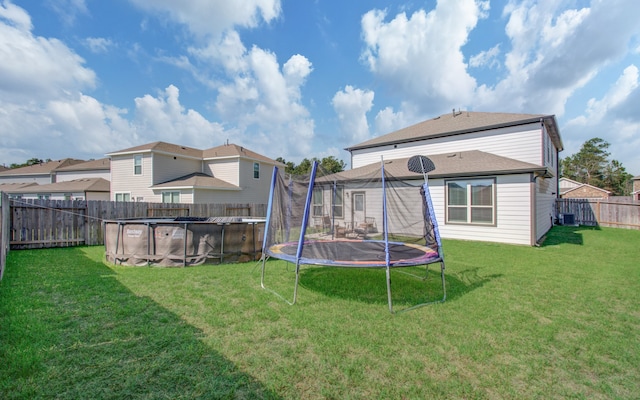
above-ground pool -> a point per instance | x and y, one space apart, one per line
183 241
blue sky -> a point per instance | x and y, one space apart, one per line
296 79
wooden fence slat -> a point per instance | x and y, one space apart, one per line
61 223
614 212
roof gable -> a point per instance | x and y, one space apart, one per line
233 150
161 147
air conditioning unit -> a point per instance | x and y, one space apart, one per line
567 219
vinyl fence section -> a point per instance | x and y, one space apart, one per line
616 212
64 223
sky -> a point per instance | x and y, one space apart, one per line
307 78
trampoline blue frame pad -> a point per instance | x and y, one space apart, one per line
355 253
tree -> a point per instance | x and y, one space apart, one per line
591 165
31 161
329 164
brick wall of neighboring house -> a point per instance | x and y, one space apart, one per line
586 192
636 188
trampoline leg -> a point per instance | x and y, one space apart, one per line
444 286
295 288
389 290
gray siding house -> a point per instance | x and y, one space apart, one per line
496 176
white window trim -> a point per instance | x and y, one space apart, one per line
254 170
135 164
115 196
469 206
171 193
317 195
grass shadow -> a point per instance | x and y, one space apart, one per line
369 285
566 234
70 329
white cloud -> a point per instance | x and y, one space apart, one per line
554 52
387 120
164 118
606 118
42 107
486 58
421 56
257 96
68 10
34 67
98 45
213 17
352 105
15 16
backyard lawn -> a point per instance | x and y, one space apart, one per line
551 322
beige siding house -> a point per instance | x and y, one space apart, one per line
43 173
78 189
90 169
512 159
165 172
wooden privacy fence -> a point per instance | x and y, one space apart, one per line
5 224
613 212
63 223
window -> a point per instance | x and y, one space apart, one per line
471 201
256 170
171 197
338 205
123 197
137 164
358 202
44 196
317 202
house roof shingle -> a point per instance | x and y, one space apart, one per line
233 150
464 163
197 180
100 164
461 122
74 186
42 168
161 147
15 187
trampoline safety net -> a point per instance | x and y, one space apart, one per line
358 212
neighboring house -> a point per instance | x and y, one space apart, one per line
79 189
636 188
15 190
570 189
3 168
42 173
170 173
100 168
496 176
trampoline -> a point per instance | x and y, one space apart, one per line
345 204
355 253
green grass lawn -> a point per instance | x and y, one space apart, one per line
551 322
